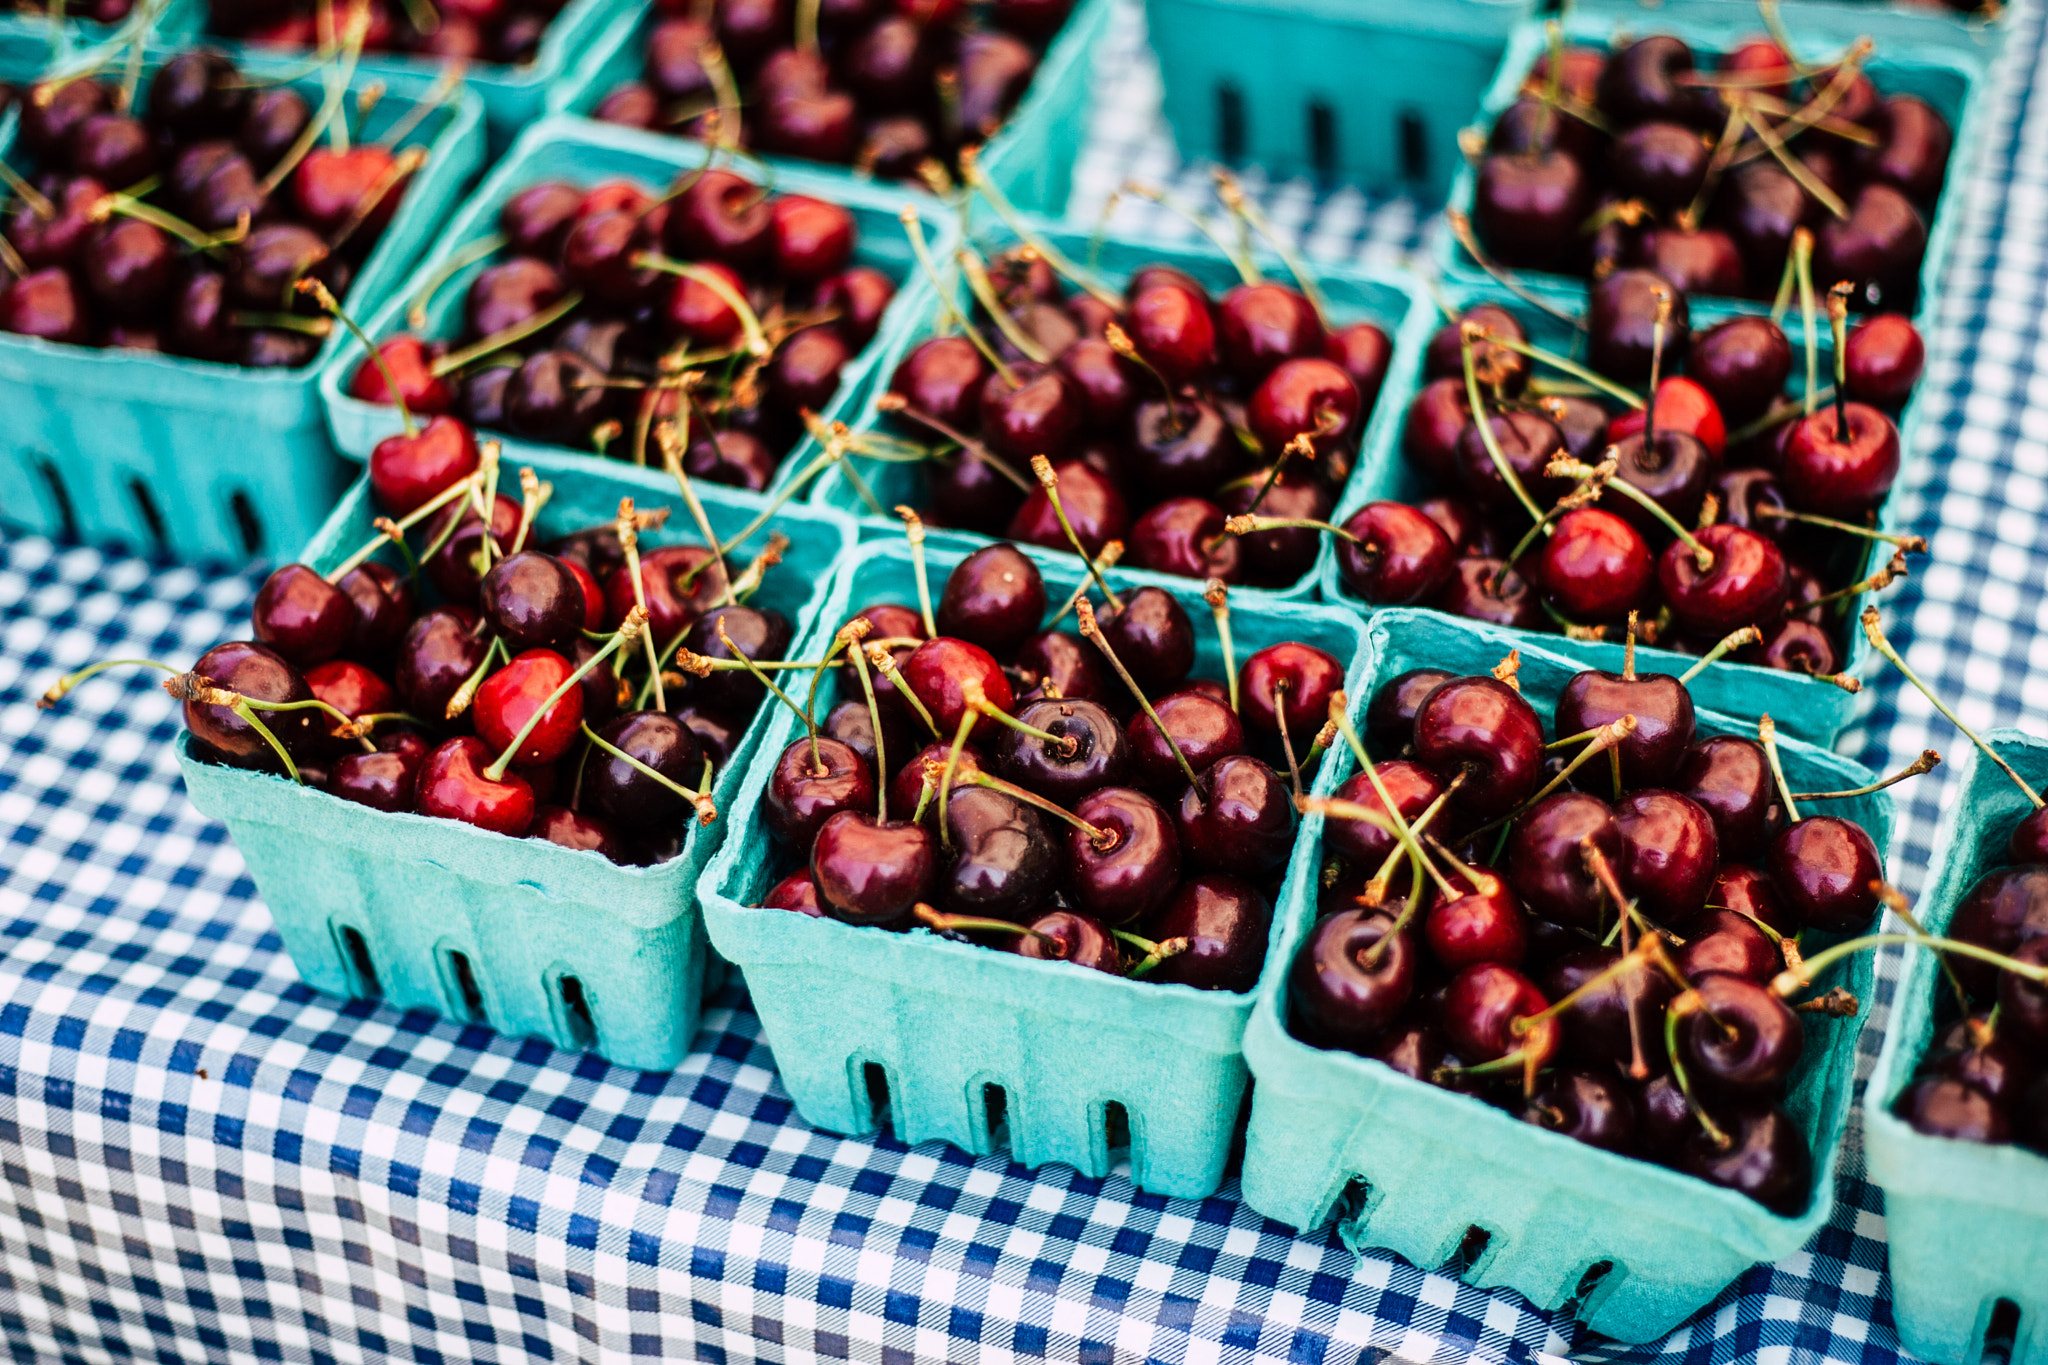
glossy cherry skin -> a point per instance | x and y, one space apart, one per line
46 304
871 873
1437 418
1225 921
1728 777
1596 1029
628 797
2029 840
1311 396
1063 936
385 605
1153 639
2022 1003
1528 441
1663 709
943 377
411 364
1596 566
2006 908
1836 478
1237 818
1364 352
1670 851
442 648
1185 536
1055 661
887 621
1884 360
1683 405
1741 1039
1547 861
1746 584
1094 505
533 601
1620 322
1344 988
385 780
1479 1010
453 568
1138 869
1661 164
757 632
1004 857
1494 364
1390 717
1205 728
407 471
800 797
262 675
1527 207
1641 81
1483 589
1593 1108
1278 556
1823 867
671 604
1767 1159
1485 924
1172 328
1482 724
938 671
515 693
1100 757
851 724
1412 788
1291 679
302 616
1187 446
452 785
1675 469
994 598
1743 364
1878 248
1399 555
1262 325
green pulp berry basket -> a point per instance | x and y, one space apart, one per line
1394 300
946 1026
1435 1165
1372 90
1954 84
172 23
513 96
1976 38
205 460
586 153
521 935
1967 1223
1031 157
1802 706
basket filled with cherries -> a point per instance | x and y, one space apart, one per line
1172 389
476 747
160 361
638 304
1604 937
1025 835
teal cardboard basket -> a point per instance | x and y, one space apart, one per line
1955 84
1967 1224
513 96
174 22
1031 158
1393 299
1896 23
587 153
189 457
521 935
1802 706
1370 90
959 1034
1436 1165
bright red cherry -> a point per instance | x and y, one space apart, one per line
411 364
1884 358
1596 567
453 785
407 471
510 697
1745 584
1309 396
1840 462
1682 405
1399 556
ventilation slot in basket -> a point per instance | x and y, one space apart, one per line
1414 146
248 525
1471 1251
469 997
1588 1283
2001 1333
152 518
877 1081
60 498
576 1017
995 1105
1116 1131
1322 138
355 961
1230 130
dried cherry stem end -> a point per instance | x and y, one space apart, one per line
1927 762
1155 953
884 663
1217 594
1748 635
913 531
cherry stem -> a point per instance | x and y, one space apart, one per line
1239 203
1700 553
629 546
753 338
1102 838
1158 953
1068 745
1779 413
1748 635
1791 979
1233 252
969 446
1461 228
1468 333
507 336
330 106
1568 366
1635 960
1794 167
1049 480
1717 164
1628 647
1781 302
913 530
885 664
401 168
706 811
1217 594
793 489
533 494
867 687
1090 631
978 181
1911 543
926 789
984 292
1245 524
1658 327
62 687
958 924
1376 889
967 719
1873 631
1838 324
1603 739
1286 739
913 228
1927 762
760 675
1671 1017
1802 268
629 629
323 296
1387 820
674 446
1120 341
1112 553
1896 902
1767 735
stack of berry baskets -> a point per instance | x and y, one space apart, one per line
1170 390
1061 966
161 362
889 91
478 773
642 305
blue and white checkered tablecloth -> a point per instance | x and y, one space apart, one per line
200 1159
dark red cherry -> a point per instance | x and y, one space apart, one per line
1310 396
1483 924
574 830
276 117
677 584
1480 1007
1004 858
114 149
795 892
758 633
1094 506
1741 1039
1723 942
1205 729
452 784
385 780
1596 1028
807 788
1398 556
385 606
721 216
1792 645
2006 908
1696 261
1353 977
1495 364
537 219
851 724
1683 405
331 188
938 672
2023 1003
1100 756
872 873
1884 358
994 598
351 689
52 112
944 378
1237 818
267 266
1054 661
1748 891
302 616
1676 472
1547 862
1767 1157
1948 1107
624 794
859 295
1670 851
533 601
1482 724
1264 324
1064 936
737 459
1661 164
1646 80
411 364
260 674
1878 248
2029 841
441 649
1437 418
1153 639
1172 328
509 293
1188 445
805 373
1225 922
1620 322
1412 787
1743 363
1728 777
1761 206
46 304
1039 414
2001 1066
1596 566
1279 556
1835 477
1136 869
1483 589
1650 757
1364 352
454 567
1913 149
407 471
1185 536
1390 718
1746 583
1529 441
1592 1107
809 240
57 239
1527 207
1290 681
1823 867
1745 494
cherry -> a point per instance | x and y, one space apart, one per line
1744 493
1187 444
1948 1107
452 784
453 568
806 790
1913 152
512 695
697 311
384 605
55 240
721 216
331 188
1172 328
1293 680
1056 661
1185 536
1527 207
1998 1066
1823 868
276 117
1352 979
1729 778
1528 440
1415 1049
1620 320
1261 325
1878 247
1642 81
1483 589
1063 936
1038 414
1398 556
571 829
1596 566
1840 475
1412 787
262 675
385 780
2006 908
1482 725
407 471
1696 261
1651 755
1100 757
533 601
2023 1004
1792 645
1225 922
1761 206
943 377
443 647
1238 818
1748 891
1669 854
1767 1158
351 689
1004 858
1279 555
1885 356
887 621
411 364
758 632
938 672
907 788
1662 164
302 616
1726 943
1743 364
1485 924
627 796
1140 868
1746 583
1153 639
852 725
994 599
1547 863
1437 418
1594 1109
737 459
1311 396
1205 729
1480 1007
1596 1028
872 873
677 583
1093 504
1683 405
1495 363
1390 718
804 373
2029 841
1741 1038
1365 353
44 303
795 892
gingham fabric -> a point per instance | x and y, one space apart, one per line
201 1160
